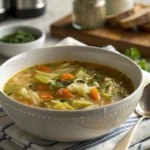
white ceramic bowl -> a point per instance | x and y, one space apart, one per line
12 49
68 126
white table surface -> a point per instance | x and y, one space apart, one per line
55 10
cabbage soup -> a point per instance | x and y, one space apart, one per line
68 86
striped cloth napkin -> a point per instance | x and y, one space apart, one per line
14 138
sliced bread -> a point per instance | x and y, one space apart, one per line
116 18
136 20
145 26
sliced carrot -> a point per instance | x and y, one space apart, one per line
46 96
64 93
94 94
66 76
43 68
42 87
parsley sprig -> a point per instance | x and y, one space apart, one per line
134 54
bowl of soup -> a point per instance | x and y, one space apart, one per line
70 93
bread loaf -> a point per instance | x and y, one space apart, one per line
136 19
115 19
146 26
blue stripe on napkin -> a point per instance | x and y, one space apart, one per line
87 144
7 126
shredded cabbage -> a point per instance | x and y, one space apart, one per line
81 88
35 97
23 92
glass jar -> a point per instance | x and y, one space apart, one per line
88 14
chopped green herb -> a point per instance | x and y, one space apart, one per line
64 100
100 89
143 64
19 36
81 81
9 94
56 85
32 85
67 82
134 54
97 77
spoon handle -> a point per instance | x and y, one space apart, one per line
125 142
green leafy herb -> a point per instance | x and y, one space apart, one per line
64 100
32 85
97 77
134 54
9 94
101 89
67 82
19 36
56 85
143 64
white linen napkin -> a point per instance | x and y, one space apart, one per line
14 138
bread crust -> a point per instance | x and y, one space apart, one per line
136 20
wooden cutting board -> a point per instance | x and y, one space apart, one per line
119 38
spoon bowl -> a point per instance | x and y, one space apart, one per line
143 107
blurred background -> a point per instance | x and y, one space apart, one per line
55 9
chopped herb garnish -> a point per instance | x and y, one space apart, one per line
32 85
81 81
9 94
19 36
100 89
97 77
67 82
64 100
56 85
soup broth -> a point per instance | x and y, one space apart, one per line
68 86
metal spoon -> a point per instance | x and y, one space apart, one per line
143 109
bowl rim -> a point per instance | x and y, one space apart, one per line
42 34
80 110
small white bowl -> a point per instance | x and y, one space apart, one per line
12 49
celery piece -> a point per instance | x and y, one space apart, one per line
78 104
64 65
66 70
12 88
42 79
81 74
50 75
45 78
107 95
55 101
63 106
